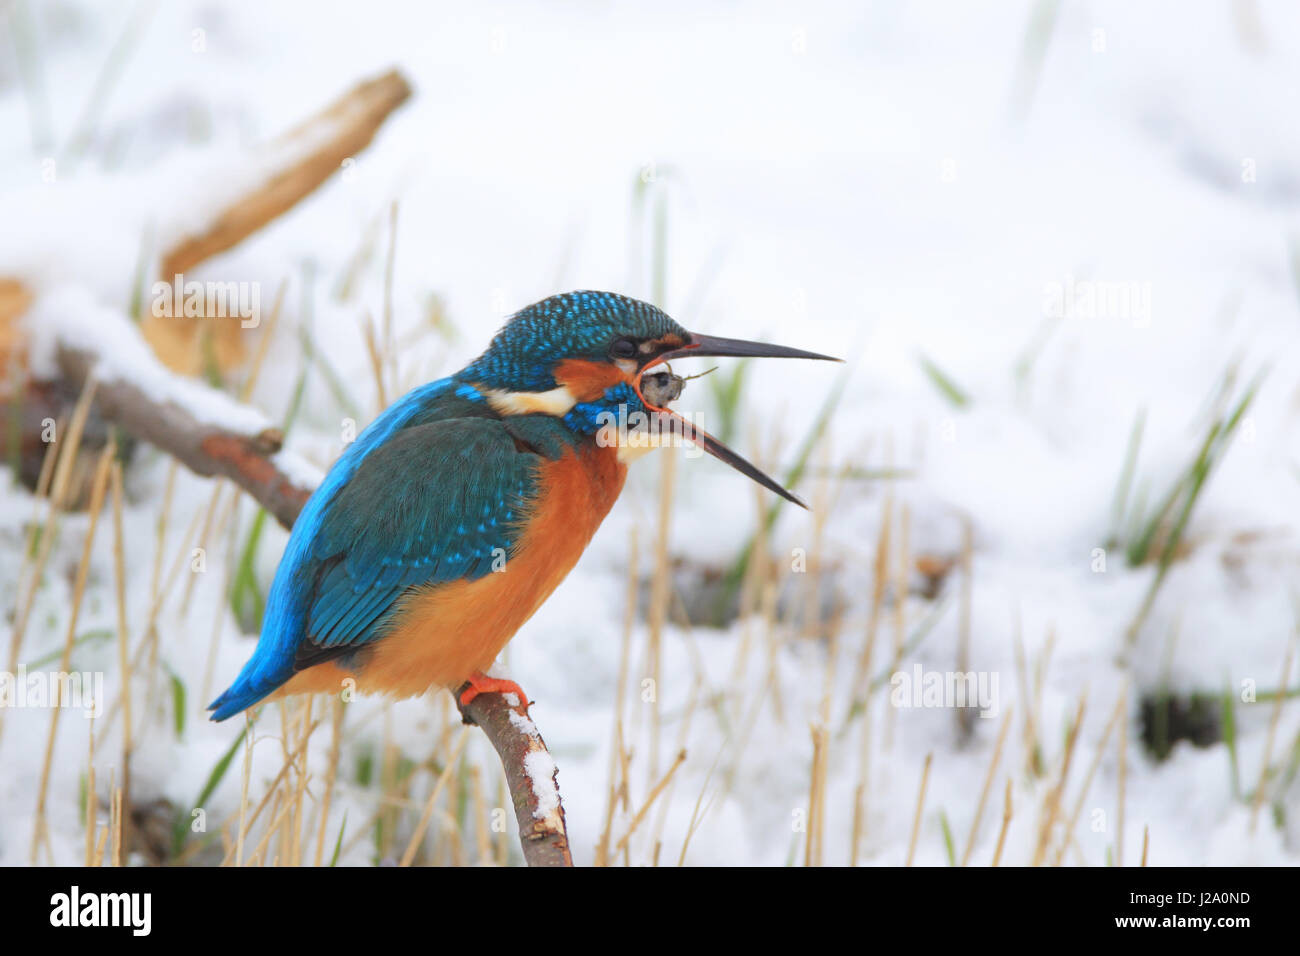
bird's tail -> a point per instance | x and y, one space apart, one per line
249 688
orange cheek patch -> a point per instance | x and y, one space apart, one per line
587 381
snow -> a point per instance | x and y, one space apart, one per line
71 317
851 181
297 469
540 767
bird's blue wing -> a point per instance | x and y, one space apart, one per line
439 502
432 503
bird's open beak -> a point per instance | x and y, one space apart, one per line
713 346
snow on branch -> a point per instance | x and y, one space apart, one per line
72 338
530 774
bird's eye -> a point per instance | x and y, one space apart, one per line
622 348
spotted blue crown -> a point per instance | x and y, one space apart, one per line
573 325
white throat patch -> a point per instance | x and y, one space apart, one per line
558 402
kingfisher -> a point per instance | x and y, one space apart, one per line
455 513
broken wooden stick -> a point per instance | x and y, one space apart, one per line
238 197
267 182
299 162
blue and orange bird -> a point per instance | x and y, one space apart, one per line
457 511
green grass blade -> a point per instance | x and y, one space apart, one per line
948 388
736 574
1124 485
178 704
246 599
338 843
89 637
1229 722
947 839
182 825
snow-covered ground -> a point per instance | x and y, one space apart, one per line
882 182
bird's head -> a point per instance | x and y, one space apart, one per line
586 358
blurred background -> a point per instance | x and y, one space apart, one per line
1057 243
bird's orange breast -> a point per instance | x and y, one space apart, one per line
443 633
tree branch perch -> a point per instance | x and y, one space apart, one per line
204 448
530 774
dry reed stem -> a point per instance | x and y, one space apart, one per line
389 267
219 620
42 496
700 809
650 799
117 825
683 735
772 634
423 826
862 678
1053 800
1258 800
817 796
658 610
276 821
620 706
1033 765
218 487
988 786
965 716
90 797
305 731
376 360
1087 781
123 634
98 489
331 774
902 568
750 589
482 840
67 455
920 808
502 849
264 342
1006 823
1122 775
243 795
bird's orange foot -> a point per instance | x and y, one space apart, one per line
480 683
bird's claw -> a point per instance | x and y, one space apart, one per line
483 684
